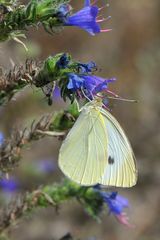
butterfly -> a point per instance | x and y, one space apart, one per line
97 151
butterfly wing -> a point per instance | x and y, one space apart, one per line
121 168
83 153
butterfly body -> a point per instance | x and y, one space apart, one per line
96 150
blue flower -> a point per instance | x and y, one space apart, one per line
63 61
87 67
86 18
63 10
9 185
56 94
46 166
1 138
116 204
90 84
75 82
87 3
94 84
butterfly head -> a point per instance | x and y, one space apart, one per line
97 101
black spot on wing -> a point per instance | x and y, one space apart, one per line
110 160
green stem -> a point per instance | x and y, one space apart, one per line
52 195
20 17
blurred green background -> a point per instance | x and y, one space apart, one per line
131 53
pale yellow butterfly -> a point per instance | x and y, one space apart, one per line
96 150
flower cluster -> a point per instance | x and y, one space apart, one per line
79 79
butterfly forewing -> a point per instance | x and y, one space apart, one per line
83 155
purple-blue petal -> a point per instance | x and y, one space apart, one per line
91 84
75 81
63 10
95 84
85 19
9 185
123 201
1 138
86 67
46 166
116 203
63 61
85 15
56 93
87 3
102 85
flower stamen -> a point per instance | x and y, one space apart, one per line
106 30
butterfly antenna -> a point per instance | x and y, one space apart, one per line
117 97
86 95
112 93
123 99
107 108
